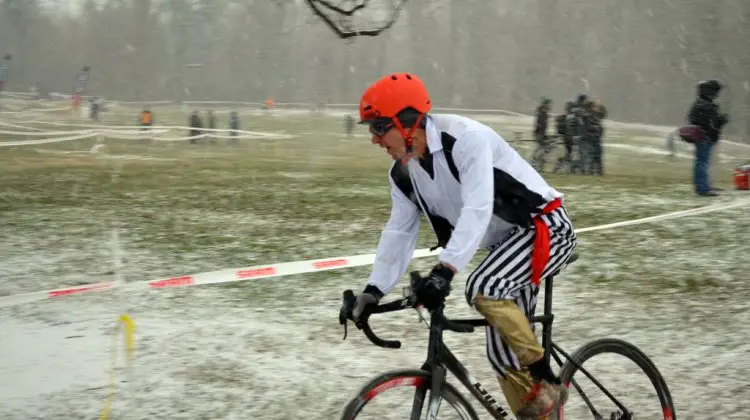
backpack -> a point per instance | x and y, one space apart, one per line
691 134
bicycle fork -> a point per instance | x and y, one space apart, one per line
436 390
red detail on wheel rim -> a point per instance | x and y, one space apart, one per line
667 413
561 410
394 383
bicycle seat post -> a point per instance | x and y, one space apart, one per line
547 324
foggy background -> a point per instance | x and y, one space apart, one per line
641 57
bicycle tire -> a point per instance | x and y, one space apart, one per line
630 351
409 377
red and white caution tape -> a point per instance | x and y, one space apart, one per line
154 127
33 110
667 216
23 127
49 294
49 140
302 267
18 94
130 133
43 133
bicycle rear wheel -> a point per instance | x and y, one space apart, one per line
625 400
414 386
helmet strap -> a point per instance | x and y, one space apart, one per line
408 136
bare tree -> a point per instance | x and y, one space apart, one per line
641 57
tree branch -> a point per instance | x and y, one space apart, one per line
345 34
344 11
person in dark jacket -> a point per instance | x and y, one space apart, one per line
542 120
540 134
565 160
705 114
562 128
4 71
349 122
234 125
576 129
211 120
196 126
595 113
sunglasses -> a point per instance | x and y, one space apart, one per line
380 127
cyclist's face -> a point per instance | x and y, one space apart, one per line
391 140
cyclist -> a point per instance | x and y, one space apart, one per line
476 192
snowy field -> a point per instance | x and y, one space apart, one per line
272 349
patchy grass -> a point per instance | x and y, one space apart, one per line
217 206
271 348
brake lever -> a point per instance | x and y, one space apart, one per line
343 320
348 304
344 323
411 299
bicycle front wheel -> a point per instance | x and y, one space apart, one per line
625 392
405 394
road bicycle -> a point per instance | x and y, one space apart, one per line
431 378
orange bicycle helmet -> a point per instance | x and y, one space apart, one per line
390 95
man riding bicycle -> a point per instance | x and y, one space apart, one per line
475 191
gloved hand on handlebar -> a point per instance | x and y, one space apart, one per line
363 304
432 290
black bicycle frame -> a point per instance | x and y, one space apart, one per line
440 358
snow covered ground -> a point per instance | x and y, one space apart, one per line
272 349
